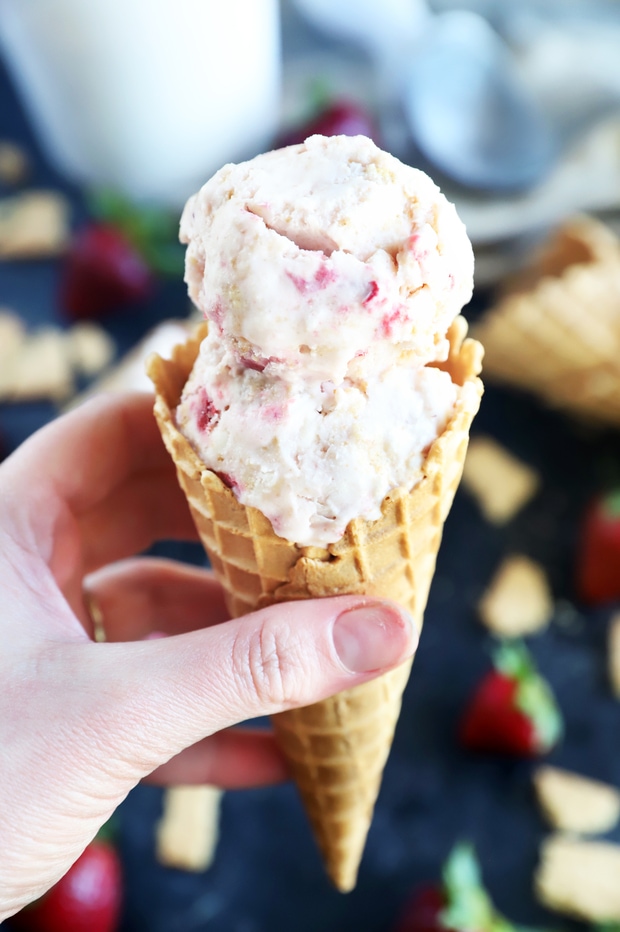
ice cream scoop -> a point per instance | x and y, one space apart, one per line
329 274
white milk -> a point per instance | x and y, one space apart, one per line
147 96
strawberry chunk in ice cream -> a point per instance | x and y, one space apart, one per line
329 273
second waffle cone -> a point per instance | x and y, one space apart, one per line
336 748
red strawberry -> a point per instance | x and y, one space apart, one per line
338 118
598 555
459 903
423 911
513 710
102 271
88 897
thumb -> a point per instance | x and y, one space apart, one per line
172 692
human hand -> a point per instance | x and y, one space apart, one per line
82 722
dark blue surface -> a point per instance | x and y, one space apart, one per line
267 875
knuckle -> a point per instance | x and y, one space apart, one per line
265 667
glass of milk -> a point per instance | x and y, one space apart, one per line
149 97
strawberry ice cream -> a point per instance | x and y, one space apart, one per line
329 273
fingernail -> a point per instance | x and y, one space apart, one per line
373 636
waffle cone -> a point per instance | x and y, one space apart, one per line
337 748
556 332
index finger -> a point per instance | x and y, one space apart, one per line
94 486
86 454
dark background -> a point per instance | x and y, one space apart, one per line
267 875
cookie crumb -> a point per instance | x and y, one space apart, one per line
579 878
188 831
39 369
91 349
12 336
33 225
518 601
574 803
613 654
14 165
500 482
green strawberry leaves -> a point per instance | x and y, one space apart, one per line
469 908
533 696
152 231
610 505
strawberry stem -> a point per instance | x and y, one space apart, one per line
513 659
533 696
611 504
108 831
320 94
469 906
153 231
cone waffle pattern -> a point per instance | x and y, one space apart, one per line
337 748
558 333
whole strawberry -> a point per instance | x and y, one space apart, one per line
102 272
458 903
336 118
512 710
87 899
598 554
